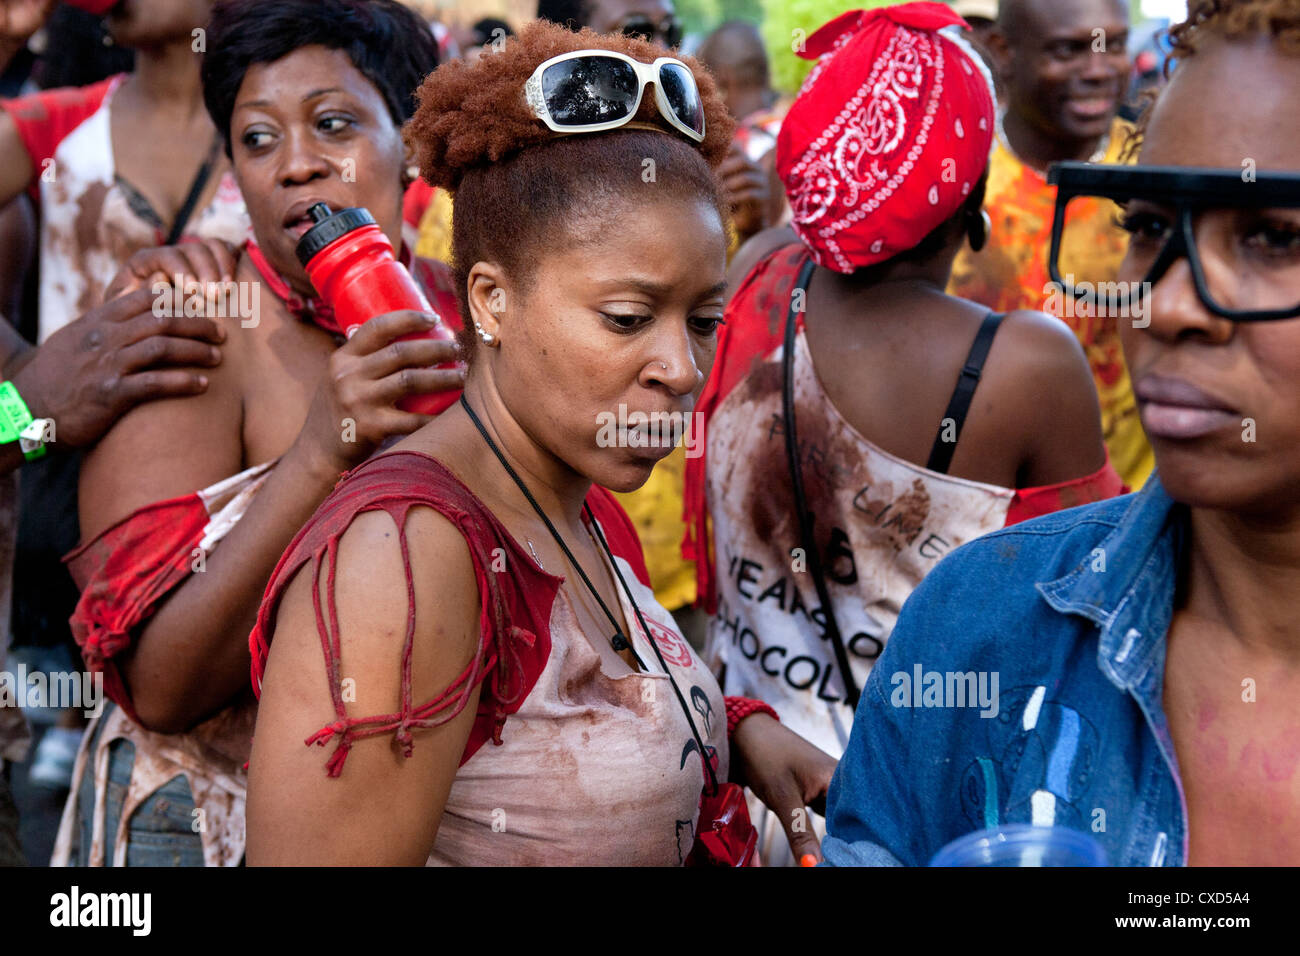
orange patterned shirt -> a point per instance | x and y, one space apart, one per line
1011 273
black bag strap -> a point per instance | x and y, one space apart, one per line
851 692
959 405
196 191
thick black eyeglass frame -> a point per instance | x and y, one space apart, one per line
1188 190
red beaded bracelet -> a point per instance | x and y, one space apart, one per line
738 708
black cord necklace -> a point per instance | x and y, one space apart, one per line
619 641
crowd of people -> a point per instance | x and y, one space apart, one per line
902 529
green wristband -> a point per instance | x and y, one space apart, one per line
18 424
14 414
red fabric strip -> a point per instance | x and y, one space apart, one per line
514 619
123 574
1028 503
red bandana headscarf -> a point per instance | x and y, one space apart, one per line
888 136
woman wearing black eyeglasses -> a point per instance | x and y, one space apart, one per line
471 598
1147 647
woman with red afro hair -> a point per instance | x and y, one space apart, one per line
474 595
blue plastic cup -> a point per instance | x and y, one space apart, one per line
1022 844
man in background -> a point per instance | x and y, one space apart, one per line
1063 68
735 55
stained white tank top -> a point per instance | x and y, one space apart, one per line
882 523
599 766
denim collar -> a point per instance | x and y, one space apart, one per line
1126 585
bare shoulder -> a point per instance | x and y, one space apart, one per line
165 448
372 587
1039 368
372 546
1034 349
1043 333
386 803
755 250
374 583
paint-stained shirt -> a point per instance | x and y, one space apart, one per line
882 522
92 221
886 522
599 766
124 574
574 758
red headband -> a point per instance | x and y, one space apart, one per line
888 136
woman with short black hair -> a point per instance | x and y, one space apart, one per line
309 97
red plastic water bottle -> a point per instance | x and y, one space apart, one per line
351 264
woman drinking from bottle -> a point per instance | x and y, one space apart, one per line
309 97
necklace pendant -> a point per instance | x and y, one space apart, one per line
619 642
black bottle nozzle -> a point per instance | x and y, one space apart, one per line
329 226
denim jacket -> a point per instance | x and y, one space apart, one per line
1022 684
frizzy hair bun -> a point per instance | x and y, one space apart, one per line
474 114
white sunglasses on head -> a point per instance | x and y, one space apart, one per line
590 90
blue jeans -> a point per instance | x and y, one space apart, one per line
160 832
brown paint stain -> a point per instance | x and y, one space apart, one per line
90 213
764 380
769 499
586 684
910 512
573 689
86 229
769 508
915 505
827 458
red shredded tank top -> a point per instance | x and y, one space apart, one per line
514 642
